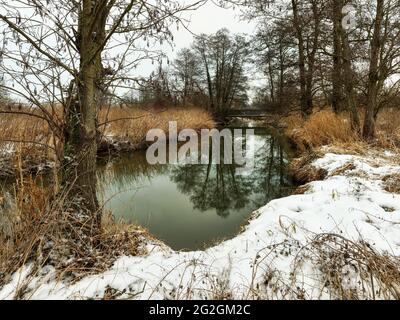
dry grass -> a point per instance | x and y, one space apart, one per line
388 129
322 128
33 143
124 123
302 189
302 170
345 270
49 231
392 183
23 128
343 169
374 275
25 141
325 128
129 127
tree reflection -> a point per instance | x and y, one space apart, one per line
209 187
213 187
270 177
128 171
219 187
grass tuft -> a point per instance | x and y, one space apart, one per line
321 128
392 183
325 128
44 230
126 128
302 170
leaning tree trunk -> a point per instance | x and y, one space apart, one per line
80 149
373 83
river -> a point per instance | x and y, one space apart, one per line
192 207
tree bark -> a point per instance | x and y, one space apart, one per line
369 124
81 130
271 78
337 83
281 75
302 60
311 59
349 83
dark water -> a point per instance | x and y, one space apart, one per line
192 206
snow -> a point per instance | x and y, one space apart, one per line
7 149
268 260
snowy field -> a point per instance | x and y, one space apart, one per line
273 258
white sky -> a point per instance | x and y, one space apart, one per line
207 19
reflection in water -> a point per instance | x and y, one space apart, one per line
213 187
219 187
190 206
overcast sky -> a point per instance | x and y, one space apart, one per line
207 19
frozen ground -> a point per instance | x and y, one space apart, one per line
271 259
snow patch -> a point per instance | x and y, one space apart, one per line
271 249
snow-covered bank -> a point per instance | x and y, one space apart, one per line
274 257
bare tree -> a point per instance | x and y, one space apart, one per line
274 48
62 56
337 72
223 58
376 47
186 73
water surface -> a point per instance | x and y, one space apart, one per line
190 207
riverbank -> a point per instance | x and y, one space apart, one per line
27 144
338 240
325 128
125 130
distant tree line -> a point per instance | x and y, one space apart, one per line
316 53
210 74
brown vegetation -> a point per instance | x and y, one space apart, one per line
302 170
128 127
29 136
325 128
392 183
347 270
388 129
124 129
321 128
377 275
45 230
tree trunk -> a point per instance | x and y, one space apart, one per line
271 77
281 76
349 83
369 124
81 131
302 60
311 60
337 83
